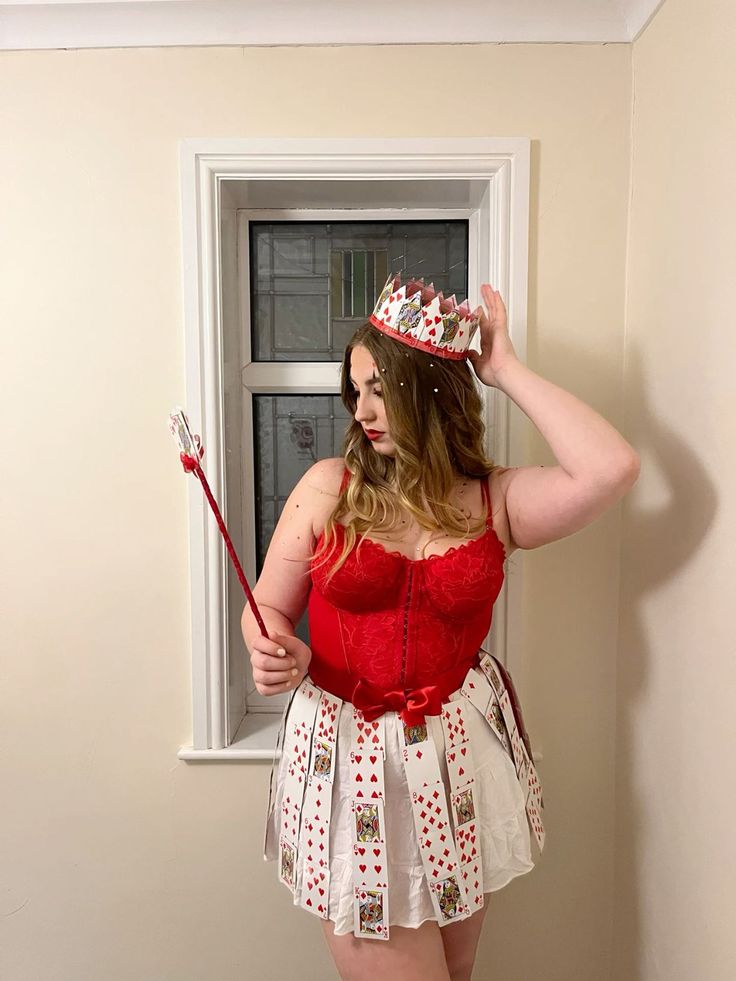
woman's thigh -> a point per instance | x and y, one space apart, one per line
460 942
408 955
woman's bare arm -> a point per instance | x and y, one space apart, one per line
596 465
282 590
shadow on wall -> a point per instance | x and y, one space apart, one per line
667 536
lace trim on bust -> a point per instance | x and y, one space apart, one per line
490 532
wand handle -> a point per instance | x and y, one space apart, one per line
192 465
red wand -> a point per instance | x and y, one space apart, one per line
190 453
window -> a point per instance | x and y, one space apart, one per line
274 290
310 285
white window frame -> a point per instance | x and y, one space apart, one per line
495 171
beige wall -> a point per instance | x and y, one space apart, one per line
675 897
121 862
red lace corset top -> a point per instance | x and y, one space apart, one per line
401 623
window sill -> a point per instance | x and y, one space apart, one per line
256 740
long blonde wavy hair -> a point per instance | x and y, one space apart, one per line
438 435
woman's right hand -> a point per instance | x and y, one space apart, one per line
496 349
274 673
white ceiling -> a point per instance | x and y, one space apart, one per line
156 23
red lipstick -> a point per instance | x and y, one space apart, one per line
373 433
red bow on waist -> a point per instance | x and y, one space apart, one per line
411 705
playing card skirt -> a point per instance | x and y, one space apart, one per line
376 823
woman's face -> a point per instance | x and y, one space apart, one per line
370 411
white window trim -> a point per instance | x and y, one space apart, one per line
497 171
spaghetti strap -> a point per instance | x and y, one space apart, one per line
485 485
345 479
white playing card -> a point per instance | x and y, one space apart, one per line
328 712
453 723
289 824
315 822
299 743
535 787
304 705
471 679
438 852
370 913
463 805
504 701
294 782
421 764
448 898
368 821
287 863
460 765
416 733
366 773
477 690
467 843
535 820
495 719
322 759
369 864
524 777
429 806
368 735
519 751
472 874
489 669
315 893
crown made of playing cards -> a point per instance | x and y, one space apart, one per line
415 315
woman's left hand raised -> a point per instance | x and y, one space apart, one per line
496 349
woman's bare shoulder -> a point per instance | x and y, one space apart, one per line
325 477
499 481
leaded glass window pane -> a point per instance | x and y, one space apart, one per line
313 283
291 433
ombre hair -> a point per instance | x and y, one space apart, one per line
436 424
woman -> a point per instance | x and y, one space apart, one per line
406 792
